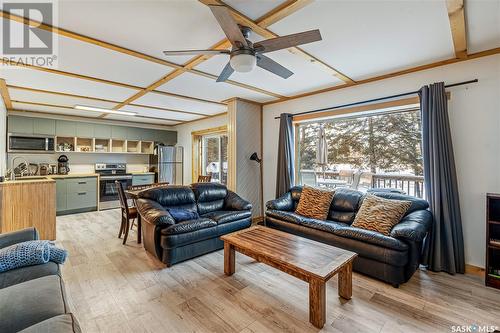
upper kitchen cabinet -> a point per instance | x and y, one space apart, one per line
44 126
84 130
20 125
118 132
148 135
134 133
166 137
65 128
102 131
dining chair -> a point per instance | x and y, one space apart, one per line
204 179
128 213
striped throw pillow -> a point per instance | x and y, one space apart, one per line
314 203
380 214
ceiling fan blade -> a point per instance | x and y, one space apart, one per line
226 73
229 25
272 66
196 52
287 41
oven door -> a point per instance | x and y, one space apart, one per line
108 191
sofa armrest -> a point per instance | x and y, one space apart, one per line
154 213
234 202
413 227
18 236
284 202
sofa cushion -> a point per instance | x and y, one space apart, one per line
189 226
65 323
180 215
364 249
25 304
27 273
209 196
224 216
380 214
416 203
344 205
314 202
171 197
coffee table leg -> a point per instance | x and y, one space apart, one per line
317 303
228 259
345 281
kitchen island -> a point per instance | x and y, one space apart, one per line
29 203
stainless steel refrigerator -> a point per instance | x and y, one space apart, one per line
167 163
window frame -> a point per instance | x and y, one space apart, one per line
196 158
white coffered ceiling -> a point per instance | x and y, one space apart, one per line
361 39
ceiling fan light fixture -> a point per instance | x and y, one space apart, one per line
243 63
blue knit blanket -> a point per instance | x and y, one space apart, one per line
30 253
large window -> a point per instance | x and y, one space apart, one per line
214 157
382 150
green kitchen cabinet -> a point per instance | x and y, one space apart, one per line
44 126
102 131
148 134
143 179
19 125
61 195
84 130
65 128
118 132
134 133
166 137
76 195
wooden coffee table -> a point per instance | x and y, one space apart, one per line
303 258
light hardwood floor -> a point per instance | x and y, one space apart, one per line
120 288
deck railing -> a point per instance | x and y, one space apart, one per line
411 185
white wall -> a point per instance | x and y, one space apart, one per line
184 139
248 140
3 138
475 124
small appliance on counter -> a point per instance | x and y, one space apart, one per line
62 165
43 169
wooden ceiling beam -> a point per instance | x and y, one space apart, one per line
394 74
93 41
71 108
266 33
282 11
4 92
456 14
103 100
273 16
95 79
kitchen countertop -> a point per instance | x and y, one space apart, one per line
27 181
143 173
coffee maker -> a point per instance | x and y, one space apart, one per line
62 165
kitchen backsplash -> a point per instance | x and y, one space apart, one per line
84 163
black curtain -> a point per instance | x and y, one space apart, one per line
285 172
444 246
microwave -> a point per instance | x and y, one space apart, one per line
24 143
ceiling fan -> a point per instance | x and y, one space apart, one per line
245 55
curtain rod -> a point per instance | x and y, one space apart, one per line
377 99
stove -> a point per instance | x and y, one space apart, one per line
109 174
